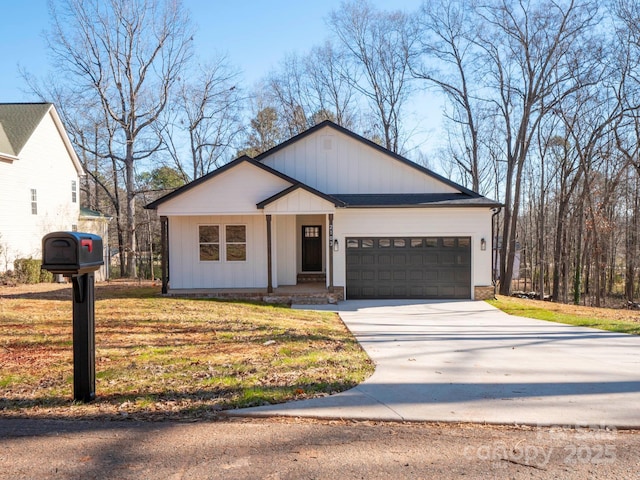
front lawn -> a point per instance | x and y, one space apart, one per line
614 320
160 357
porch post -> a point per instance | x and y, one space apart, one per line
164 248
269 260
330 263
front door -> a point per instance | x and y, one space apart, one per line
312 248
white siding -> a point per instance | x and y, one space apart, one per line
186 269
44 165
333 162
237 191
437 222
286 248
300 201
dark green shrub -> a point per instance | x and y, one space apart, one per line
27 270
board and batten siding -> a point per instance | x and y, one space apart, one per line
286 248
301 202
335 163
236 191
186 269
44 165
417 222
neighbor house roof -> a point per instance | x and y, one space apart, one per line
18 121
87 213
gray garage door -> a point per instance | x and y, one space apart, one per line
408 267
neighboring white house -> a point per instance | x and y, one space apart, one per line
332 206
39 179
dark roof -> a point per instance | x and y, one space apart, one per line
17 123
287 191
393 200
153 205
400 158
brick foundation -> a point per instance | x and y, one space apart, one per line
484 293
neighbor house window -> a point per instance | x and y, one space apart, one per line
74 191
209 240
34 202
236 243
74 228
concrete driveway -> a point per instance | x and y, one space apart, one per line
469 362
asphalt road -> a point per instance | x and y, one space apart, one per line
305 449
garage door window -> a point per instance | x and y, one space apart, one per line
352 243
384 243
367 243
399 243
449 242
431 242
416 243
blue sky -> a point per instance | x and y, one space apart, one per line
256 35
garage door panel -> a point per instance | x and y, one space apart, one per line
431 292
367 259
384 259
399 275
384 275
431 259
415 259
400 291
446 276
399 259
416 275
368 275
416 267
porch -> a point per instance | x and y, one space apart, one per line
301 294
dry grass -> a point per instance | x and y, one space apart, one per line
615 320
160 357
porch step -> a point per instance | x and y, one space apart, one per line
312 278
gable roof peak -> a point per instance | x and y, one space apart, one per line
366 141
18 122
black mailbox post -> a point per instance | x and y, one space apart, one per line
78 255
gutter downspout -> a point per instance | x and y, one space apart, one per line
494 255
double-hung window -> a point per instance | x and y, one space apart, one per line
236 243
34 201
209 241
227 243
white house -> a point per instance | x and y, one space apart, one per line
39 179
328 205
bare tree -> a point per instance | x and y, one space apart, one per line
207 110
333 94
381 46
529 51
450 62
126 55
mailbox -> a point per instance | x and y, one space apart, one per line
71 253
